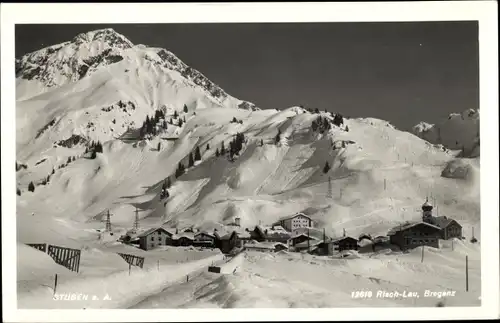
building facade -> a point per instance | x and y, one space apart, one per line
449 227
412 235
299 220
153 238
345 243
204 239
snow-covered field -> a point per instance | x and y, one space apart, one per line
380 176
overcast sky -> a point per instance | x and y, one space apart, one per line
401 72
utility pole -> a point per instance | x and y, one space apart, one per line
452 240
466 273
423 247
308 241
329 194
136 222
108 222
344 231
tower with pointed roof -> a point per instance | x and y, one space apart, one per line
427 212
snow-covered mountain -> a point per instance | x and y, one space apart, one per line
460 131
101 87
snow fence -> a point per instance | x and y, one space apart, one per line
117 290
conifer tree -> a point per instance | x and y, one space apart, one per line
53 171
261 142
93 155
197 153
234 120
326 168
314 125
18 191
180 122
222 149
31 187
69 160
277 139
169 184
191 160
208 146
217 154
159 146
185 108
175 114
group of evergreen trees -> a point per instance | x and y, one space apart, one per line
236 145
321 124
181 169
236 121
197 156
94 148
149 125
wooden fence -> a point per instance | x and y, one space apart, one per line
67 257
133 260
39 246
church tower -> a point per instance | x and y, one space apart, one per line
427 212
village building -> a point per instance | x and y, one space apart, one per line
306 246
299 220
183 239
345 243
295 240
414 234
266 246
272 234
153 238
227 242
450 228
323 248
204 239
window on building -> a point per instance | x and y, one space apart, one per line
152 238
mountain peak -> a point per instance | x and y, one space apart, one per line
106 35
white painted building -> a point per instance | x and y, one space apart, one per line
299 220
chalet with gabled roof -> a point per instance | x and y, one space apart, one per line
153 238
449 228
345 243
415 234
204 239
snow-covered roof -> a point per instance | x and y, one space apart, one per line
311 232
293 216
427 204
265 245
276 230
443 221
342 238
309 243
204 233
408 225
187 235
145 232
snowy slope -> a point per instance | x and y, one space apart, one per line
380 176
460 131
